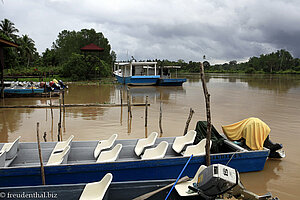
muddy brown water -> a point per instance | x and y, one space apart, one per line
273 98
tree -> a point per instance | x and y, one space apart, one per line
27 48
69 42
8 28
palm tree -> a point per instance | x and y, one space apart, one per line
27 47
8 28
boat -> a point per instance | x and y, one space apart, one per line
166 78
144 74
214 182
23 90
33 89
71 162
136 73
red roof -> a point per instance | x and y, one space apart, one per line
91 47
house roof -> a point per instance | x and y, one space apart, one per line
91 47
7 43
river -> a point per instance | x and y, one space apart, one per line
273 98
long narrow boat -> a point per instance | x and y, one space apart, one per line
116 191
81 165
214 182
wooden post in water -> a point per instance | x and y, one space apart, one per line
146 118
146 112
188 121
45 136
128 103
160 119
63 99
59 136
207 103
51 107
40 153
121 99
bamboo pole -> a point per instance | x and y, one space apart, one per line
40 153
207 103
188 121
160 119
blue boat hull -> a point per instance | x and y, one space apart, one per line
171 81
23 91
138 80
128 171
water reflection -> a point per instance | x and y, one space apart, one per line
278 83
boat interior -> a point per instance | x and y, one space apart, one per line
108 150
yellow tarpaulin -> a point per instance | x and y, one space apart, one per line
253 130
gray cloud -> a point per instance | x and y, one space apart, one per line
169 29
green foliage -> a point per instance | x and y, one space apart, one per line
69 42
250 70
63 59
80 67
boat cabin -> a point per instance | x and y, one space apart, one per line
135 68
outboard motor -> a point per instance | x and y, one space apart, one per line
62 85
218 179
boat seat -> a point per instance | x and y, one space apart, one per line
96 190
59 157
11 149
145 142
110 156
182 188
182 141
157 152
105 144
2 158
60 146
196 150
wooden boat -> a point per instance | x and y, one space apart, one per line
80 162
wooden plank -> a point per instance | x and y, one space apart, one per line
73 105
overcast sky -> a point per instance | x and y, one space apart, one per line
223 30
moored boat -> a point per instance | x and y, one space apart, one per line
214 182
79 163
145 74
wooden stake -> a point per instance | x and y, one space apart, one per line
59 135
45 136
121 97
128 103
63 99
51 107
160 118
40 153
207 103
188 121
146 112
